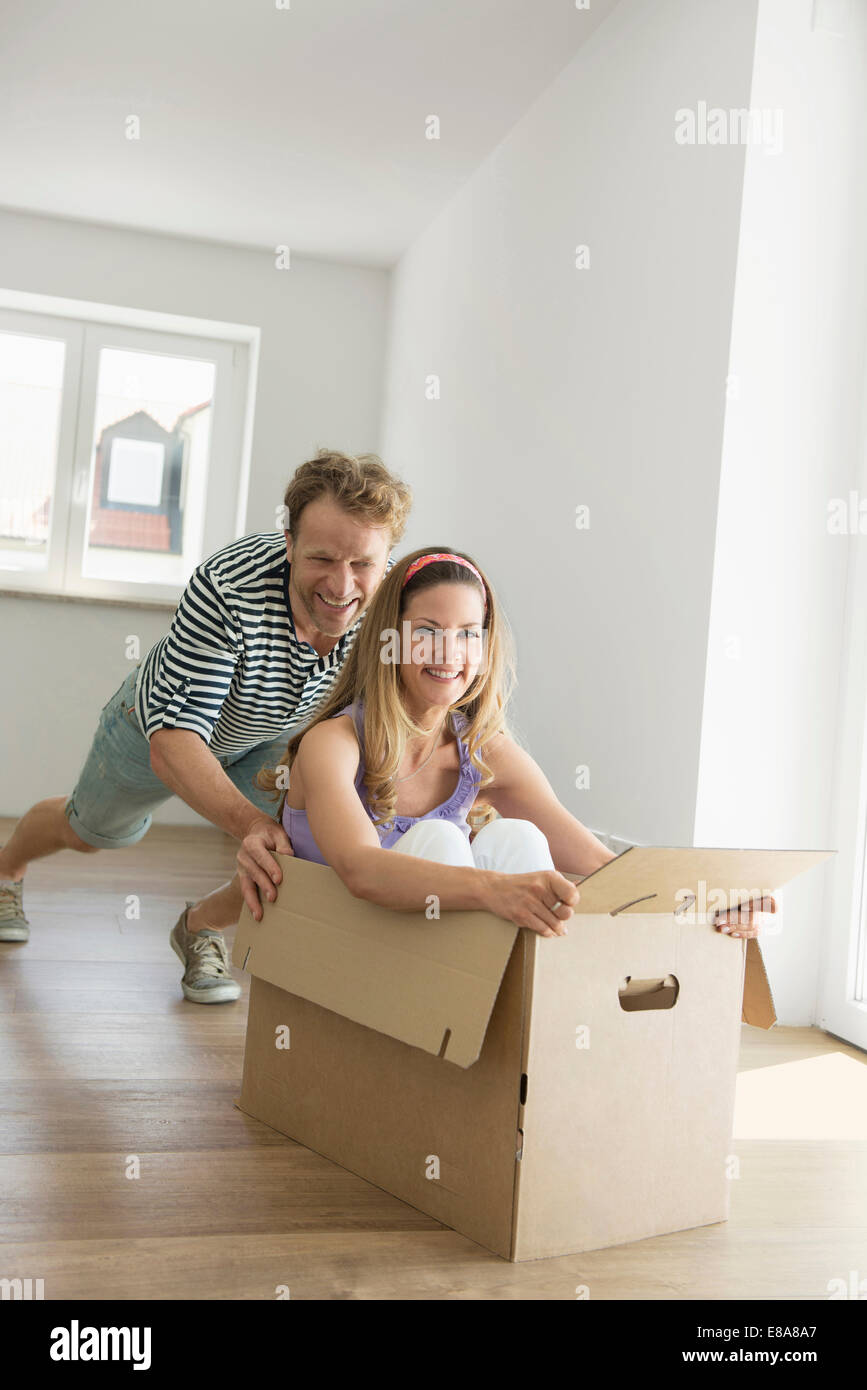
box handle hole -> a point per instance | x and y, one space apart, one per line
648 994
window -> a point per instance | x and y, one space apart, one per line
120 455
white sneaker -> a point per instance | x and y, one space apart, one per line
207 978
14 926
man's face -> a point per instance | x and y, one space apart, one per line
337 565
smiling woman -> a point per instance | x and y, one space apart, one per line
396 758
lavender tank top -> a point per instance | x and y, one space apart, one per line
455 809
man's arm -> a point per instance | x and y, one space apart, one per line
184 762
197 660
195 672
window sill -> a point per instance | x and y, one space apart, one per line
158 605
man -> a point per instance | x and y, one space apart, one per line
258 638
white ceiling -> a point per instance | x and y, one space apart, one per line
263 126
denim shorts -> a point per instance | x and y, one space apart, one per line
117 790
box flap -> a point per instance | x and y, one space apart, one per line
758 1006
650 878
429 983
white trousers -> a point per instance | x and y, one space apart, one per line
509 846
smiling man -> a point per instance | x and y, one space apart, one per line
258 638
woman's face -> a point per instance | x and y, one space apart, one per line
442 645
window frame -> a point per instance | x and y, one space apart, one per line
49 578
227 479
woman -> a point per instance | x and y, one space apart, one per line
412 743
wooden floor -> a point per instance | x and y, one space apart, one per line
104 1061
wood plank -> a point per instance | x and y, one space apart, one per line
39 999
115 1046
49 1116
273 1190
19 970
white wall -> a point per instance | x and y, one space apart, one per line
320 383
603 386
792 441
608 386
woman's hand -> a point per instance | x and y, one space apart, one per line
528 900
738 921
258 870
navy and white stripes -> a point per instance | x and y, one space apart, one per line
230 667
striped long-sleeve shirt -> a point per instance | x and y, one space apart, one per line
231 667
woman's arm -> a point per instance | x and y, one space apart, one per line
328 759
520 789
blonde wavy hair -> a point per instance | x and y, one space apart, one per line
387 725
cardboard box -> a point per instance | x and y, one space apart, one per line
543 1096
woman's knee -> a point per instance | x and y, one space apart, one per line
511 828
436 839
517 846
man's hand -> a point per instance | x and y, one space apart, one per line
738 921
258 870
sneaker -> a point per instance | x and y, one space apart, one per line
206 978
14 926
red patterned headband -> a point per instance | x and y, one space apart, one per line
438 555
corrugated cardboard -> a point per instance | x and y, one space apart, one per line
542 1096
